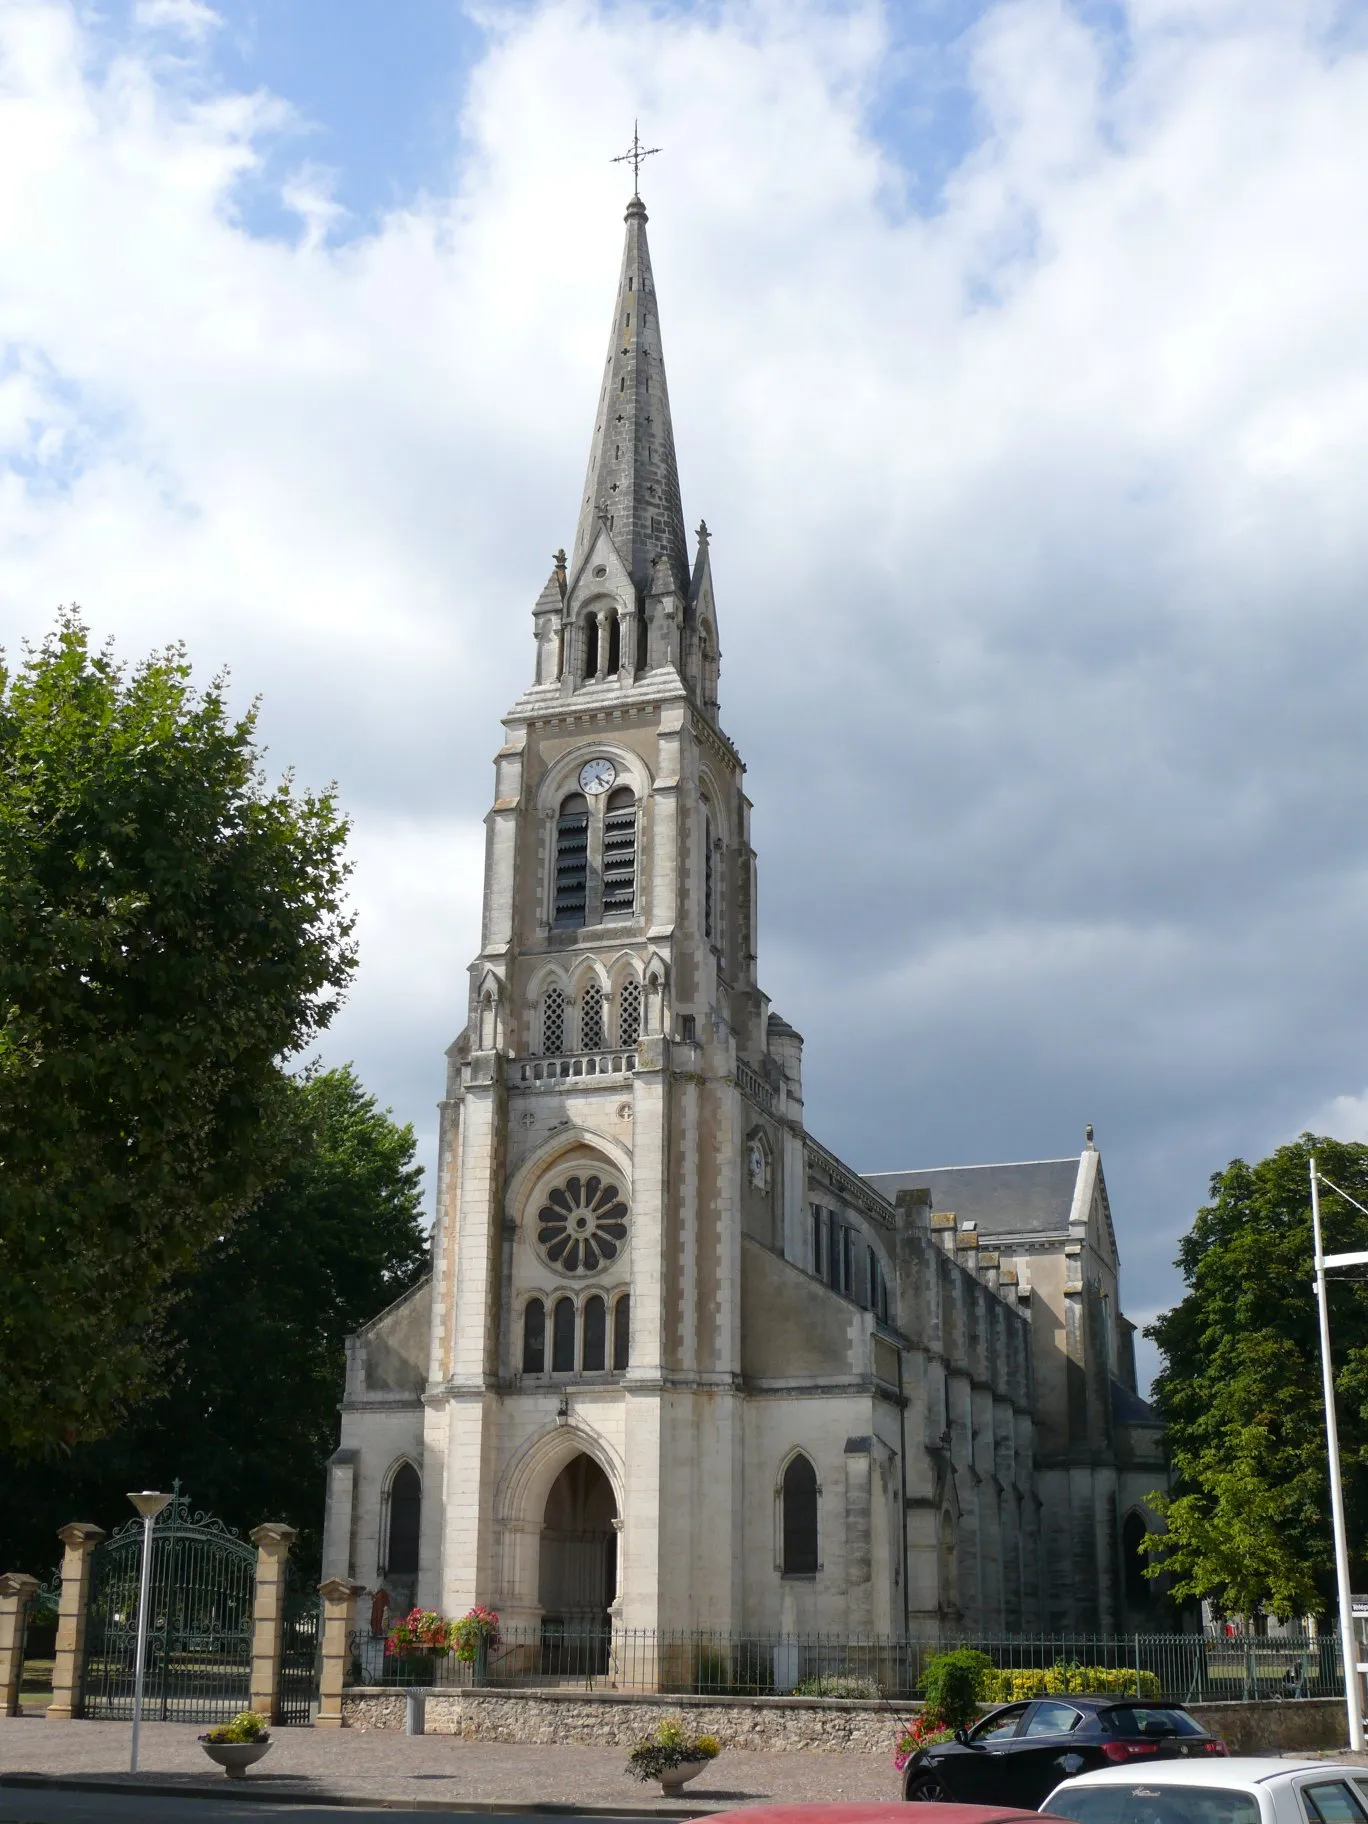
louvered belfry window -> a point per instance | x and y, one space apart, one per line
629 1012
572 861
619 854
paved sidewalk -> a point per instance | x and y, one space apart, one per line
386 1767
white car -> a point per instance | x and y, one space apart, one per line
1240 1790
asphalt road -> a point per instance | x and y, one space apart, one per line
20 1806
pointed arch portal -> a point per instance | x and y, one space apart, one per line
577 1573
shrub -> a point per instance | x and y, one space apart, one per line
1012 1683
246 1726
923 1732
831 1684
669 1745
478 1626
952 1685
421 1631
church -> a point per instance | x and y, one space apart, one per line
678 1366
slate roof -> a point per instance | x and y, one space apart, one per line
1129 1409
1033 1197
633 477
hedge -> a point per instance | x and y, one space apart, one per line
1009 1684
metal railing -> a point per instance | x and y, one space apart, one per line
1184 1668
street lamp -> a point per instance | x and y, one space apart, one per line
149 1504
1346 1604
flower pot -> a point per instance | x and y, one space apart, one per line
235 1757
672 1782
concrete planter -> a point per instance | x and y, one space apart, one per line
235 1757
673 1782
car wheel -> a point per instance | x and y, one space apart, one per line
924 1788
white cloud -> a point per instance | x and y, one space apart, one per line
1038 517
1341 1118
191 18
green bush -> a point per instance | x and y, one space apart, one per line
246 1726
669 1745
833 1684
952 1686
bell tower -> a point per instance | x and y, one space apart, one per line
586 1296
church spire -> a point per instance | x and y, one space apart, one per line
632 488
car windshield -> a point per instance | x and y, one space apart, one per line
1152 1803
1141 1719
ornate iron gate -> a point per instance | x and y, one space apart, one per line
299 1649
199 1633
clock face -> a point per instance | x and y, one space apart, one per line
596 776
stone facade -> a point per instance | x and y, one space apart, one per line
677 1366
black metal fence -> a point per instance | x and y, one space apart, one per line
1213 1667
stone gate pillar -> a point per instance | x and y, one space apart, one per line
339 1597
80 1539
16 1593
273 1544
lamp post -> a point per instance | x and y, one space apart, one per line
149 1504
1348 1650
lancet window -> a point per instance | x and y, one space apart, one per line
553 1022
708 890
405 1515
534 1337
622 1332
629 1011
799 1501
563 1336
591 1018
595 1347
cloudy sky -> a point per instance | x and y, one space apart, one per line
1019 359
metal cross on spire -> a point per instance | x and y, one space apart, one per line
634 155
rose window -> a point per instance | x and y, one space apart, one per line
582 1224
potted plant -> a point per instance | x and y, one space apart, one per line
237 1745
413 1643
672 1756
472 1637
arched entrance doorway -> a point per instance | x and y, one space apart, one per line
577 1579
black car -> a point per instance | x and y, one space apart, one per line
1018 1755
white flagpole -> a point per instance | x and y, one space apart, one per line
1348 1647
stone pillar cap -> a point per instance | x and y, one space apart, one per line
273 1532
339 1589
80 1532
16 1583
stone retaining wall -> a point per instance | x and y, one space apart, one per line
826 1725
1293 1723
765 1723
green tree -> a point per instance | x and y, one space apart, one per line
170 928
1240 1387
254 1361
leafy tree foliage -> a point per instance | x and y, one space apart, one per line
1240 1387
255 1360
170 927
